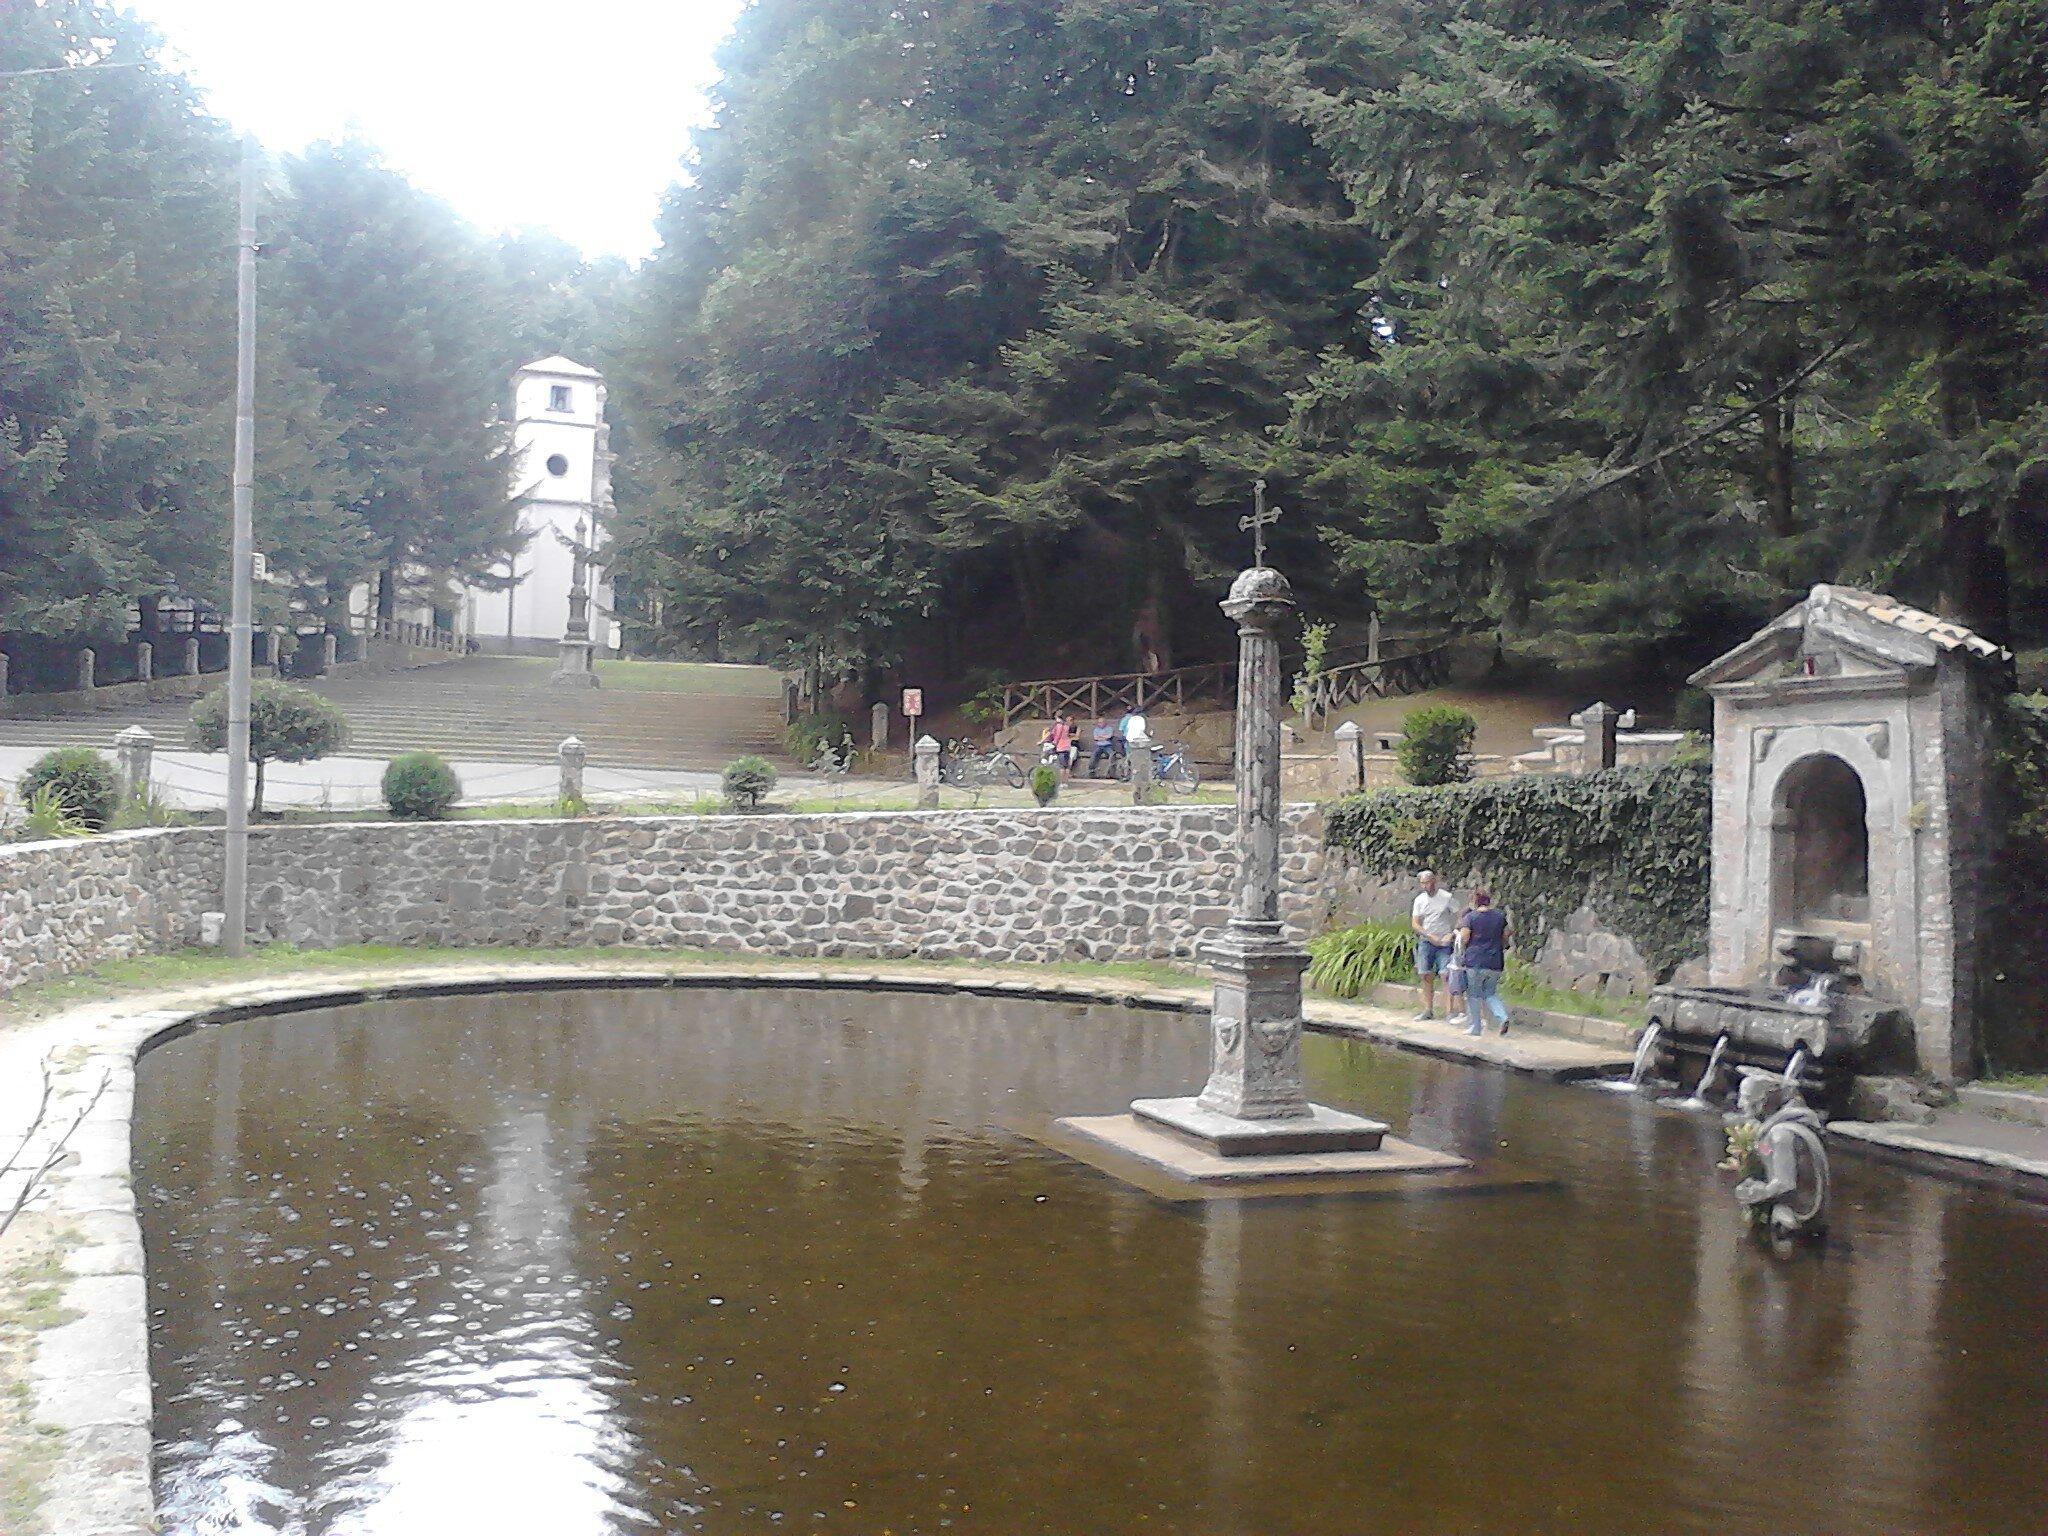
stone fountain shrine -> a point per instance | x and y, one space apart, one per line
1851 745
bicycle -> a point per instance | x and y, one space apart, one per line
1172 765
965 766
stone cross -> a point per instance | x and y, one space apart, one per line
1258 522
577 667
1256 1056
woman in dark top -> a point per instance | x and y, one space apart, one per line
1483 934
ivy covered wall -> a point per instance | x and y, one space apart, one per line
1631 844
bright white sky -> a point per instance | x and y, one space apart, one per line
568 115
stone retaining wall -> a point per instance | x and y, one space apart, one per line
1023 885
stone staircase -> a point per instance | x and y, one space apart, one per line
498 709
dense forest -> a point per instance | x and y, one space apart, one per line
387 330
1611 325
1608 326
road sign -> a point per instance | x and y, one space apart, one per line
913 702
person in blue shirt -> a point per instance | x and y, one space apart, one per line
1483 935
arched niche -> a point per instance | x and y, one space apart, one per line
1822 863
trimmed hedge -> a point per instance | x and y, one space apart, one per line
1634 842
420 786
83 782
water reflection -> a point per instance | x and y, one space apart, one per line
602 1263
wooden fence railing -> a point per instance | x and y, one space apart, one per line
1112 693
1389 677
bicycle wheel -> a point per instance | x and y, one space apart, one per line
1005 767
1180 774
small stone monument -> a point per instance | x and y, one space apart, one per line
134 753
83 681
145 660
569 759
1143 769
926 752
1351 755
578 667
191 656
1603 736
878 727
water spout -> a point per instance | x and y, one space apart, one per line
1793 1066
1646 1050
1708 1077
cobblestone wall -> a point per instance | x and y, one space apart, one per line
1012 885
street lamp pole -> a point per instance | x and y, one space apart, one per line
241 638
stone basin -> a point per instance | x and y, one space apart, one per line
1851 1033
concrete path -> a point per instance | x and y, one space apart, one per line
1533 1052
1960 1143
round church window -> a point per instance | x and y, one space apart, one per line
557 465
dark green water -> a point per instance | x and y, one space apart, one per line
595 1262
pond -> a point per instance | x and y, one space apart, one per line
780 1259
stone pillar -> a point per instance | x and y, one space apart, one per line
1138 751
329 644
1256 1056
1351 755
83 680
1602 727
1254 1102
878 727
578 665
570 757
134 755
3 682
145 661
789 701
926 753
191 656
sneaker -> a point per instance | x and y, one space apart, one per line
1474 1029
1425 1018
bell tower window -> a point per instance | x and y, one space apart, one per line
558 397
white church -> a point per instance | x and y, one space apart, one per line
561 478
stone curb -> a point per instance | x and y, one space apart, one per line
1910 1147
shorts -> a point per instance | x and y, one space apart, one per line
1431 959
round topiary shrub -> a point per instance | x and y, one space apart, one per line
1045 783
748 781
420 786
82 781
1436 745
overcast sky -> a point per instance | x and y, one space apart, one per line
569 115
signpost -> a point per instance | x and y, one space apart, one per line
913 706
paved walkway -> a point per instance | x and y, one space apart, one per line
1958 1143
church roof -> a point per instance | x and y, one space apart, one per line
561 367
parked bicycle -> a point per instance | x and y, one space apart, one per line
964 765
1172 765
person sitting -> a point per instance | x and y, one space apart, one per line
1102 745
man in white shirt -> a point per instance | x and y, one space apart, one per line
1134 727
1434 917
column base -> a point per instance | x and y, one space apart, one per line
578 667
1322 1129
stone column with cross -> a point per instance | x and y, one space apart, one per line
578 666
1254 1102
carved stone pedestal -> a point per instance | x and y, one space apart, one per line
577 668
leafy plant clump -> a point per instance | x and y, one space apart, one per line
45 819
148 809
420 786
81 779
1348 962
1315 646
1436 745
806 738
1631 842
286 725
747 782
1045 783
